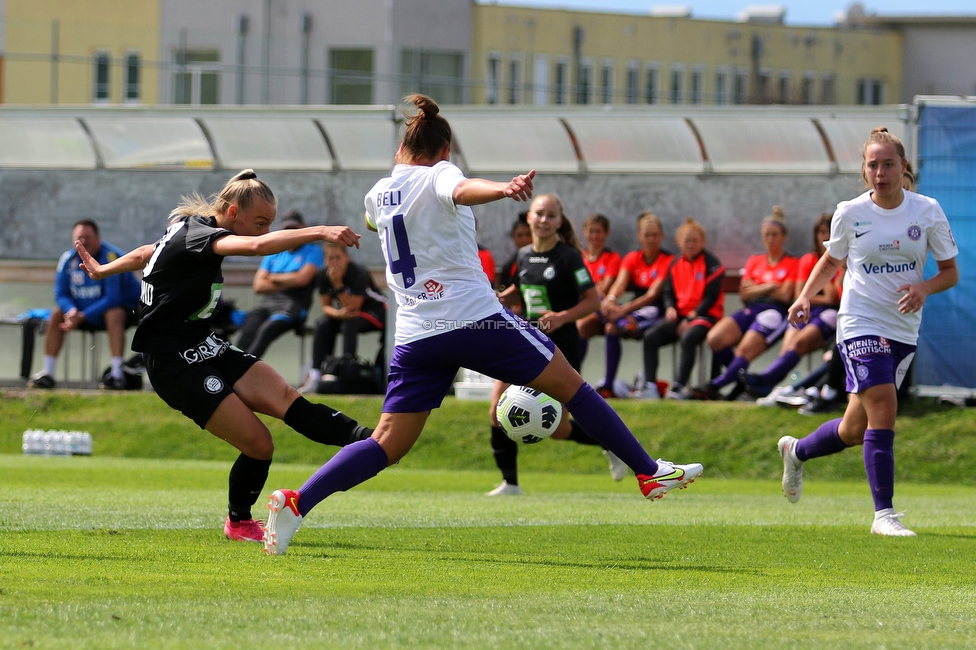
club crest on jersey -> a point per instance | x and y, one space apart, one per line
213 384
549 273
914 232
434 289
210 348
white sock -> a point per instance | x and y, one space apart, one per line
828 393
117 367
315 374
49 364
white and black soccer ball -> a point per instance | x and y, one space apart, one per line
527 415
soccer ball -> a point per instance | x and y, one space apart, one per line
528 415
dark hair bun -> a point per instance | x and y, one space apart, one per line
245 175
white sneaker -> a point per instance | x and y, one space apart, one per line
618 468
799 399
506 489
283 521
774 395
677 391
887 522
667 477
792 469
649 391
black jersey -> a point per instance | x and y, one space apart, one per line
550 281
180 287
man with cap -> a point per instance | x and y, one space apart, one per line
287 281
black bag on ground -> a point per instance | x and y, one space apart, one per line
350 375
132 369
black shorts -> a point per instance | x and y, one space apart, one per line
196 381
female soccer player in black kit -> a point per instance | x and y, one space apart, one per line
213 383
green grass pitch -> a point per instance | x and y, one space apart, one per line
125 549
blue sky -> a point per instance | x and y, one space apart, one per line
798 12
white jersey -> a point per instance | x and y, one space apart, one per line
431 251
885 249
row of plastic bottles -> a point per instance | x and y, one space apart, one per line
38 442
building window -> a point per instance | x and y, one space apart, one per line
515 81
439 75
697 74
560 88
651 87
132 73
740 90
540 81
633 79
677 83
197 77
351 76
493 85
827 93
808 91
100 92
785 89
606 83
764 91
722 87
584 84
869 92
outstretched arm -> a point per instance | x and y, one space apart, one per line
477 191
134 260
283 240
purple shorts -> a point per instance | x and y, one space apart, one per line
824 319
635 323
875 360
502 346
767 319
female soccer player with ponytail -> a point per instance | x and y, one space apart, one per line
449 317
885 235
195 371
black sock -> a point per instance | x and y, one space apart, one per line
506 455
324 425
576 434
246 482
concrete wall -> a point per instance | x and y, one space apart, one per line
38 207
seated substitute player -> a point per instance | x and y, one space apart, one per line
84 303
426 230
642 276
287 281
215 384
886 235
694 299
766 289
351 304
603 265
819 329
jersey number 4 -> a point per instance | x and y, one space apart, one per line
406 262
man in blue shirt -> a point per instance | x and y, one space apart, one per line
287 281
83 303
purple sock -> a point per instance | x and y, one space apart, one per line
723 357
731 373
778 370
613 359
822 442
353 464
879 462
604 425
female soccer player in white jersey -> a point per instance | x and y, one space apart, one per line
449 317
885 235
